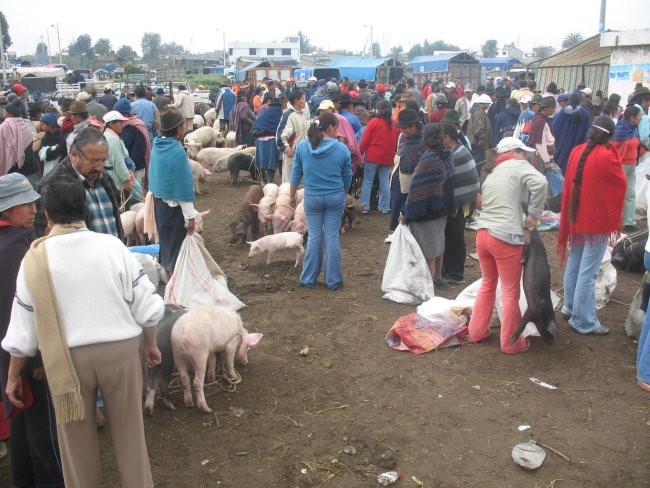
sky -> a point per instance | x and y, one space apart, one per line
467 24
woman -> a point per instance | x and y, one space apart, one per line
500 239
170 182
241 119
89 336
588 221
16 154
257 100
425 210
613 107
264 130
627 142
35 459
117 154
378 144
326 166
643 350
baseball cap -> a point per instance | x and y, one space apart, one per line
586 91
510 144
450 84
325 105
112 116
525 99
484 99
313 78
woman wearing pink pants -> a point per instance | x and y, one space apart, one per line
512 182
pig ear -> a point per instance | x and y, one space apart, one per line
350 206
205 213
252 339
254 206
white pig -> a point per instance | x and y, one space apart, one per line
300 195
210 117
282 213
128 225
299 222
201 333
278 242
208 156
264 211
199 122
199 174
202 137
271 190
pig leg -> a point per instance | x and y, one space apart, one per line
165 375
200 361
152 381
527 317
229 360
182 367
268 257
212 367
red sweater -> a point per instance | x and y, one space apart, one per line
629 150
379 142
602 194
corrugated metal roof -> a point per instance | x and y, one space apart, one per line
587 52
437 63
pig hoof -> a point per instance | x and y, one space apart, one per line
205 408
169 404
189 404
148 410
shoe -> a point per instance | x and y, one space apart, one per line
565 316
334 287
642 384
439 283
453 281
602 330
3 446
389 239
385 212
100 419
631 228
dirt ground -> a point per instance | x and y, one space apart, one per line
354 408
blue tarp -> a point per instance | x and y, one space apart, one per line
356 68
501 64
431 64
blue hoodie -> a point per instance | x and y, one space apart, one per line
327 169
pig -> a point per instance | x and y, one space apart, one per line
265 213
231 139
158 377
128 224
197 336
137 206
198 122
537 288
210 117
199 174
282 213
299 222
278 242
271 190
300 195
247 216
208 156
242 161
351 214
221 165
199 139
139 226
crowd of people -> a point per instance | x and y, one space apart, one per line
428 157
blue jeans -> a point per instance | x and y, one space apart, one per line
580 275
369 170
643 352
324 214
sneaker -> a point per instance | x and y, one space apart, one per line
439 283
602 330
389 239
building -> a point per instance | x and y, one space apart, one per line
510 51
287 49
446 67
629 61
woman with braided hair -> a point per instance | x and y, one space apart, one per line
592 205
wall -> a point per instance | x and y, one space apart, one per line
629 65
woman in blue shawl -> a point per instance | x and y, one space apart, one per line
570 127
170 182
263 130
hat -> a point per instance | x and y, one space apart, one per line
407 118
83 96
362 83
548 101
15 108
381 88
77 107
69 72
225 82
335 95
354 94
50 119
524 99
510 144
586 91
451 117
3 100
563 97
450 84
12 96
160 91
45 102
170 119
536 99
484 99
113 116
326 104
15 190
313 78
441 98
275 102
358 101
501 92
108 86
345 99
468 88
641 94
122 106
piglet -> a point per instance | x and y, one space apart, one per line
282 213
264 211
199 174
271 190
299 222
201 333
351 214
128 224
278 242
247 216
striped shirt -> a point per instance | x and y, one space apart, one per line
100 207
466 184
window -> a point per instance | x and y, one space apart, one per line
270 52
252 51
286 52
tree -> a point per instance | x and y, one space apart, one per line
102 47
126 52
171 49
543 51
131 68
572 39
441 45
41 55
81 50
150 46
375 50
305 46
396 51
489 49
6 38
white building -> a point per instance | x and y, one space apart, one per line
510 51
630 60
287 49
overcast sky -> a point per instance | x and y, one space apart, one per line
194 24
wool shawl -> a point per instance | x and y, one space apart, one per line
537 129
61 375
15 136
425 197
136 122
267 122
602 193
170 176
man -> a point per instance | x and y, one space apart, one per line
345 103
183 103
53 148
380 94
136 140
522 129
410 87
80 118
587 102
108 100
523 91
225 103
290 86
96 110
439 112
479 130
463 105
146 110
85 161
345 132
161 100
451 94
313 86
641 99
495 110
364 93
541 137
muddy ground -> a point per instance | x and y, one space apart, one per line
354 408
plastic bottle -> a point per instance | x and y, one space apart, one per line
389 477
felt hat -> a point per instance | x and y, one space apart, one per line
548 101
500 92
451 117
77 107
537 99
83 96
407 118
345 99
15 190
170 119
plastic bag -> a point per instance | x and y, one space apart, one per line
406 275
555 180
198 279
642 169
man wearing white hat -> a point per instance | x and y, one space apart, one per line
117 152
463 105
479 130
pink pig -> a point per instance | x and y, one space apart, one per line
278 242
128 225
299 222
282 213
196 338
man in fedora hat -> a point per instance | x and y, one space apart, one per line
81 119
452 118
226 100
541 137
479 129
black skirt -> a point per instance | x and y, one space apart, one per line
171 232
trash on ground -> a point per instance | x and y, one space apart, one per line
523 427
351 450
541 383
204 462
237 412
304 351
389 477
528 455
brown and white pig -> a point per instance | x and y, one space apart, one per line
278 242
197 336
247 216
128 224
351 214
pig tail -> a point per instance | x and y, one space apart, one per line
318 126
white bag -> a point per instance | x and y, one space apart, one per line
642 169
198 279
406 275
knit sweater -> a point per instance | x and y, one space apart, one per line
128 299
425 200
466 185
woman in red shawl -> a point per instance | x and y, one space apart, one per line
592 204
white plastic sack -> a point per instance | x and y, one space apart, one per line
439 309
406 275
150 266
642 169
198 279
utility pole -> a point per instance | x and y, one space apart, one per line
2 56
603 8
49 51
58 36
